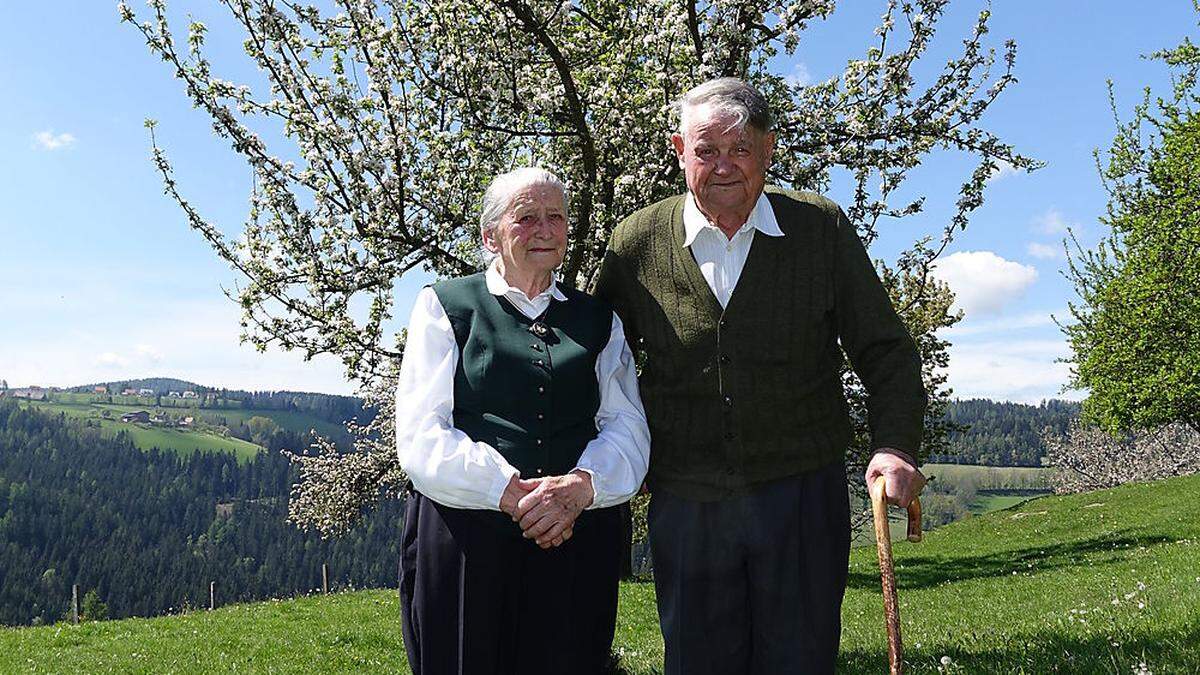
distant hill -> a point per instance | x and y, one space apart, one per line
148 530
996 433
333 408
1104 582
1000 433
160 385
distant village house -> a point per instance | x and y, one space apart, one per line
101 389
32 393
138 416
189 394
173 394
130 392
145 392
186 422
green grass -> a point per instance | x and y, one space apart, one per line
348 632
986 502
145 436
991 477
286 419
1025 590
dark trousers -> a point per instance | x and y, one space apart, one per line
477 599
753 584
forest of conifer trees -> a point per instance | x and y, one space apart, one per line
148 531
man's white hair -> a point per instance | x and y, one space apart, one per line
504 187
726 97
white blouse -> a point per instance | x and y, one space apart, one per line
445 465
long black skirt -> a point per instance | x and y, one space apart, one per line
478 599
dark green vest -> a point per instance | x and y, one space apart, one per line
532 397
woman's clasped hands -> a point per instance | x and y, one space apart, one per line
546 508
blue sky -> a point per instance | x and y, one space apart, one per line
104 280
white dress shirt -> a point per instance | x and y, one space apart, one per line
448 467
720 258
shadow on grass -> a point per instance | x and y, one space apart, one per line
927 571
1163 651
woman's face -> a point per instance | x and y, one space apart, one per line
531 236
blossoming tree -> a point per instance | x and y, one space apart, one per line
397 112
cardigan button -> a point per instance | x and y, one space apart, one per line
541 416
728 402
725 359
539 441
541 390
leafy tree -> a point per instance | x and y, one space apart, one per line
1137 324
93 608
261 429
397 112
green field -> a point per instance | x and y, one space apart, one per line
145 436
91 407
1094 583
995 501
991 477
286 419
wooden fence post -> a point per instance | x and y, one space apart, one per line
74 603
212 595
325 577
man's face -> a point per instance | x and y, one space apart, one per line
531 236
725 166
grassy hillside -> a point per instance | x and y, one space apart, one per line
145 436
296 422
85 406
991 477
1095 583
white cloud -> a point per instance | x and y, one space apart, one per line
1009 358
150 352
1053 223
968 327
1003 170
112 359
983 282
201 342
1043 251
1025 371
799 77
49 140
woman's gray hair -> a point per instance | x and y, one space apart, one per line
727 96
504 187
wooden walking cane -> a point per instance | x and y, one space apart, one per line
887 572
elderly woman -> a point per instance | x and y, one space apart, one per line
519 423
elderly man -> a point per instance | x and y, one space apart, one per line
742 301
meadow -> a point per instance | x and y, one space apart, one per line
991 477
1105 582
145 436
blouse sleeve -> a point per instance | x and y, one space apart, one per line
618 457
443 463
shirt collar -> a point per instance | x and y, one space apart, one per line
496 284
762 218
